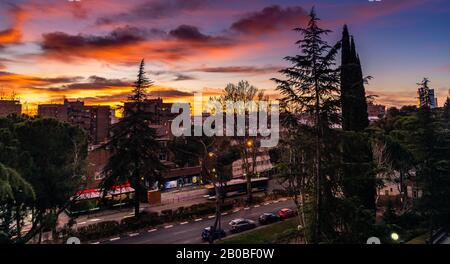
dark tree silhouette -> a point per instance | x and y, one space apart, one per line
353 96
312 87
134 146
358 175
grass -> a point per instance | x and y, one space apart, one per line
275 233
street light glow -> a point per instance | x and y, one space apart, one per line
394 236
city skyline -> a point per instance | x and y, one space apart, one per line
89 50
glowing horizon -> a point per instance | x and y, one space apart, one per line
90 50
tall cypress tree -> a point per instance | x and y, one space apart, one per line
353 96
358 175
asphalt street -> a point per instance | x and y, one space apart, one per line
189 232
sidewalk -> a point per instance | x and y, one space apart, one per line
169 200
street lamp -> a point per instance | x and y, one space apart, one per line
395 236
249 143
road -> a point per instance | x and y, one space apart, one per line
189 232
446 241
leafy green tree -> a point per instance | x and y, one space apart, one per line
432 152
418 146
50 157
243 93
57 151
53 160
134 146
294 162
215 156
312 88
16 197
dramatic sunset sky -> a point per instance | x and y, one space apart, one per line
91 49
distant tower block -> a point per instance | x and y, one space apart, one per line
8 107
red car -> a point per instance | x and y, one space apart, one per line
286 213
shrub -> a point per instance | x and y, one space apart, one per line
227 205
98 230
167 215
204 208
145 220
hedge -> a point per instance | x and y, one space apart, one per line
110 228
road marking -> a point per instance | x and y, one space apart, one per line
266 203
133 234
224 213
211 216
114 239
275 201
152 230
94 220
246 208
236 210
82 223
95 243
198 219
127 216
283 199
256 206
183 223
168 226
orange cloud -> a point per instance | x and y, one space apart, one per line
127 45
13 34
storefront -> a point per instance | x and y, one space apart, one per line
90 200
181 177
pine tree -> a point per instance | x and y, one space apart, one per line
312 87
353 96
142 84
431 147
134 146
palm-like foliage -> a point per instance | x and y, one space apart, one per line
11 184
15 194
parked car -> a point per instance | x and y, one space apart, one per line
240 224
286 213
268 218
219 233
